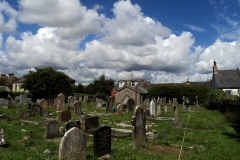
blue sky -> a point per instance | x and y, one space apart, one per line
162 41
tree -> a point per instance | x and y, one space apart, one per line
47 83
79 88
3 80
103 85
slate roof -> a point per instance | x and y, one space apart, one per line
140 85
229 79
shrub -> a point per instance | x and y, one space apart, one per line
214 99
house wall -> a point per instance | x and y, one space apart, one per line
16 87
127 91
232 91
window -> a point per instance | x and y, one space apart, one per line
229 92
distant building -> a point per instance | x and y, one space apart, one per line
10 79
130 89
227 80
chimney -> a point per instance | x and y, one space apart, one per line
188 82
11 76
128 82
215 68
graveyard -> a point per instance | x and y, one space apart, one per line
97 129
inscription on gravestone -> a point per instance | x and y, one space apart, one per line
102 141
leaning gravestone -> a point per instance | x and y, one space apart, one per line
35 108
52 130
73 145
102 141
77 108
110 103
60 102
71 102
70 125
44 104
138 129
23 98
119 109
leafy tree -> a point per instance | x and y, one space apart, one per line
3 80
103 85
79 88
47 83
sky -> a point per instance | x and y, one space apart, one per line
163 41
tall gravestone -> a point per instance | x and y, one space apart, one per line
110 103
158 110
138 129
44 104
102 141
71 102
60 102
152 109
64 116
2 140
77 108
52 130
99 103
23 98
73 145
119 109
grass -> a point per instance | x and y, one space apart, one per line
208 136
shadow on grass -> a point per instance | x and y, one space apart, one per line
233 136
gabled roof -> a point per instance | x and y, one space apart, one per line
228 79
138 89
140 83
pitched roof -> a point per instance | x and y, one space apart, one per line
228 79
141 83
138 89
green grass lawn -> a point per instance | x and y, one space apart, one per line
207 136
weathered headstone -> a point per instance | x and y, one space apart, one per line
25 114
85 98
60 102
99 103
52 130
43 113
23 98
147 103
44 104
158 110
70 125
166 109
77 108
119 109
71 102
4 101
110 103
73 145
91 122
64 116
35 108
152 109
102 141
50 102
138 129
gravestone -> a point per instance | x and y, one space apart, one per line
43 113
60 102
147 103
73 145
35 108
52 130
158 110
110 103
166 109
2 140
152 109
64 116
25 114
50 102
23 98
55 100
77 108
183 106
29 101
138 129
82 120
91 122
70 125
119 109
99 103
44 104
38 101
102 141
146 112
4 101
76 98
176 112
71 102
85 98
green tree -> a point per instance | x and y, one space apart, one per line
47 83
79 88
3 80
103 85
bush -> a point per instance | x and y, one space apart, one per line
100 95
214 99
